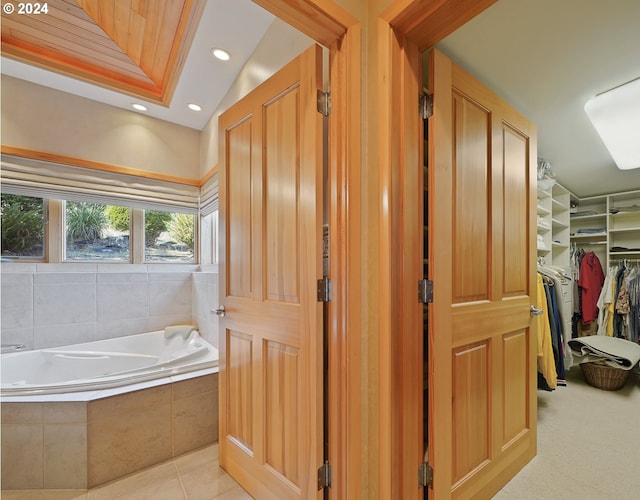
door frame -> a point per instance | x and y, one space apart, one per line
406 29
332 26
397 31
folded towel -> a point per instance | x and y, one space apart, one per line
619 353
183 330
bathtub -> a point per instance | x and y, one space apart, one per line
106 364
78 416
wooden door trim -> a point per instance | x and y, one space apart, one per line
405 29
332 26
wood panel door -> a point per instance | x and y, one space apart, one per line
271 374
482 356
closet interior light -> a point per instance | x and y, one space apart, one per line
139 107
615 114
195 107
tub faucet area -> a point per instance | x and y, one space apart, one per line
5 348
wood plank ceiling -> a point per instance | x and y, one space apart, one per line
137 47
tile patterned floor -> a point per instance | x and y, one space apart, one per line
193 476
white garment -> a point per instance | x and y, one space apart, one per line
606 298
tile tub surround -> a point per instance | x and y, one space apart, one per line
52 305
79 445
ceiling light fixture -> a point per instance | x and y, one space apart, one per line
221 54
139 107
615 114
195 107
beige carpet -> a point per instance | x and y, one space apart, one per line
588 444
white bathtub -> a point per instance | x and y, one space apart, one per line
104 364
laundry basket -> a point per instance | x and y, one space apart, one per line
602 376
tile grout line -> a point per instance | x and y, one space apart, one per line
184 490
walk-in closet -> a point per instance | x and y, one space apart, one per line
588 260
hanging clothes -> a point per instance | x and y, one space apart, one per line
619 302
547 378
634 301
560 304
590 283
606 305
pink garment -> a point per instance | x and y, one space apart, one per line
591 281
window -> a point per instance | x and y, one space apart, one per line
23 219
96 232
209 238
169 236
98 216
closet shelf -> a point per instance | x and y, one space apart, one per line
558 223
624 230
588 236
588 217
588 243
543 211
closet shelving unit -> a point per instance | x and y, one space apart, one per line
618 217
595 212
560 212
544 223
553 224
624 225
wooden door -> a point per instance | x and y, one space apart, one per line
482 356
271 376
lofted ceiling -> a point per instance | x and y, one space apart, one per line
546 57
156 52
133 46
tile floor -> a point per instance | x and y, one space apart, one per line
193 476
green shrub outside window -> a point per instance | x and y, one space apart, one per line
169 236
96 232
23 219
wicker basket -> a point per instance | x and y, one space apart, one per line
604 376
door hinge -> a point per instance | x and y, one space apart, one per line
425 476
324 102
324 476
324 290
425 291
426 105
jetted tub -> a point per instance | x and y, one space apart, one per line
107 408
106 364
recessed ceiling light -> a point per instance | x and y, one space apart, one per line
195 107
615 114
139 107
221 54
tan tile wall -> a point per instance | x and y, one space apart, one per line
81 445
128 432
194 402
44 445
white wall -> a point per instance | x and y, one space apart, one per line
280 44
50 305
